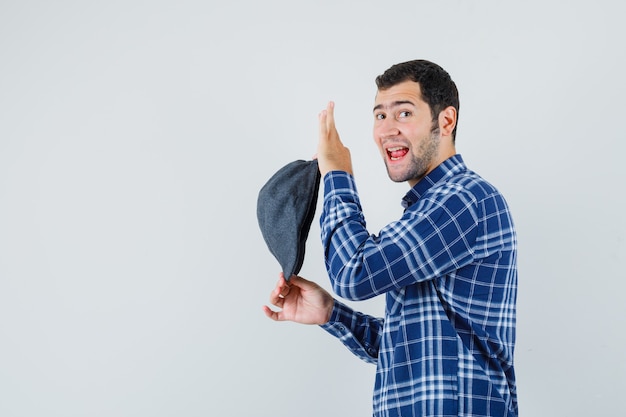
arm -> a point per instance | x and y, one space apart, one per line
360 333
434 237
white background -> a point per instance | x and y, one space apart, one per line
135 135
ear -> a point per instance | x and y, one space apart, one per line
447 121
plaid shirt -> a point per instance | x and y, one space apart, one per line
448 270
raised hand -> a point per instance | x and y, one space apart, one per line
332 155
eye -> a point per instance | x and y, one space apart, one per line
379 116
404 114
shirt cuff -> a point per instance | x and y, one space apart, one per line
339 182
340 320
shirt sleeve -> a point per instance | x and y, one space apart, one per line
435 236
359 332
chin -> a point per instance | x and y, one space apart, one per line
406 175
396 176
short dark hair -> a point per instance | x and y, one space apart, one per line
438 89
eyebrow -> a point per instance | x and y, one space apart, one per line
394 104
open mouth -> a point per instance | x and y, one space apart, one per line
396 153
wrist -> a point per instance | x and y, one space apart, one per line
329 311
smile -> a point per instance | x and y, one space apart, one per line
396 153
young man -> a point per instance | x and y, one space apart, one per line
447 267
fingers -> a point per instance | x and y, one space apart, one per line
300 282
274 315
282 287
323 128
277 298
330 116
332 155
285 287
327 121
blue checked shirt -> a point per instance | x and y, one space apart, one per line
448 270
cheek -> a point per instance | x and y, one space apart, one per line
381 150
378 132
378 143
375 137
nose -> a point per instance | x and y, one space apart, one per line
387 128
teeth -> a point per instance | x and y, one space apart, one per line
396 153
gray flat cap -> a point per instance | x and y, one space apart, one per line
285 211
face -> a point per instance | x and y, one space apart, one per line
404 133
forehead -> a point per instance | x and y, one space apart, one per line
406 91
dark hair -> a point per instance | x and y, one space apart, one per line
438 89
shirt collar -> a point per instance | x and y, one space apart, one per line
446 169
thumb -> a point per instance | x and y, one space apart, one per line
298 281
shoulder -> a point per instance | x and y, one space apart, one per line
463 191
471 184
